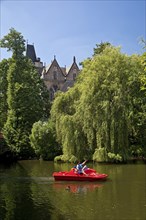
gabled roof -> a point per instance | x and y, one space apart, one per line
47 67
54 63
74 64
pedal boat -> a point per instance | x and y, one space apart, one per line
90 175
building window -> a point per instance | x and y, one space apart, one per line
55 88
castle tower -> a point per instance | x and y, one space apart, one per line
31 54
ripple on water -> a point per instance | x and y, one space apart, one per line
39 180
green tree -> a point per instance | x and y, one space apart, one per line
143 74
4 66
96 116
98 50
137 115
14 42
101 47
26 96
43 140
143 62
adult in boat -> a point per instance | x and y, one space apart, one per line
81 167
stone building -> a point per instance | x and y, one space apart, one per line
59 78
55 77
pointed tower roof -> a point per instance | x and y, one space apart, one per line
30 52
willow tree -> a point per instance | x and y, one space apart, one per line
26 95
111 86
68 128
138 135
97 115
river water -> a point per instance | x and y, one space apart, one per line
28 192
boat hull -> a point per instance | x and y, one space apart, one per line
71 176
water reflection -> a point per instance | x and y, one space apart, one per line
28 191
38 180
20 197
76 187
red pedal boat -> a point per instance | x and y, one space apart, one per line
90 175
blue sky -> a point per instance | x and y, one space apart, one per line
73 28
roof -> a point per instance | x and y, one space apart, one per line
48 67
74 64
65 71
54 62
30 52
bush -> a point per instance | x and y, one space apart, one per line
43 140
100 155
114 157
57 158
136 151
73 159
66 158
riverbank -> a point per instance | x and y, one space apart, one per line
9 157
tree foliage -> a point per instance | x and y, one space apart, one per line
14 42
102 117
100 48
4 66
104 108
27 96
43 140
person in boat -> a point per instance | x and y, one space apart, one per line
81 167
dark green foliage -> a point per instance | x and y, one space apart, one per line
24 101
4 66
27 97
101 47
43 140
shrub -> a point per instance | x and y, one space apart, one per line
100 155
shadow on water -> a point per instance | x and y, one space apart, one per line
19 193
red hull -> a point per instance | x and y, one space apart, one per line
72 176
